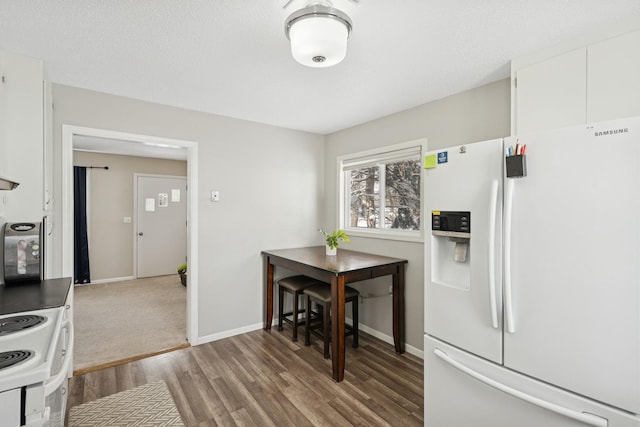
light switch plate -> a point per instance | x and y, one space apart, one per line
215 196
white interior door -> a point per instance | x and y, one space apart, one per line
463 297
574 251
161 224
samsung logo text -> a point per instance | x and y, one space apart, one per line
611 132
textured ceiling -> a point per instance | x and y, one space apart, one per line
231 57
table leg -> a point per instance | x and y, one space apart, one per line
337 327
398 309
269 270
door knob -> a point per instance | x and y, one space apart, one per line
140 233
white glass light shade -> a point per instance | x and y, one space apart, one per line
318 35
318 41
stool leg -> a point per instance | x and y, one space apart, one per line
307 323
354 315
294 337
280 304
326 330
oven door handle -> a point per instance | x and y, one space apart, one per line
54 382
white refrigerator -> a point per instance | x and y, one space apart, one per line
532 281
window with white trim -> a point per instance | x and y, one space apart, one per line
381 190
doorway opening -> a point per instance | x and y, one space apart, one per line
121 143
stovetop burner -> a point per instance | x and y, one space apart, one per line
11 358
14 324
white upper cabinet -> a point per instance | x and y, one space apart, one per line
22 136
613 83
551 94
586 84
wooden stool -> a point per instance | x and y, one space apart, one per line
293 285
321 295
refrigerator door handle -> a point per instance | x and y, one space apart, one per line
508 302
493 203
584 417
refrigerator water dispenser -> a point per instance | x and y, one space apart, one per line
451 233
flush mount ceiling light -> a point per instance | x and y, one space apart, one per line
318 35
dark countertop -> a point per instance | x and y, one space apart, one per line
19 297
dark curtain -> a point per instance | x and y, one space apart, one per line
81 242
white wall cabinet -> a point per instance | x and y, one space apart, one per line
551 94
613 83
22 137
587 84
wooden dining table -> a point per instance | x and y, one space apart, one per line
338 270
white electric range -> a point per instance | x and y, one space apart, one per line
36 348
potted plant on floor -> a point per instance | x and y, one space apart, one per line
182 271
332 240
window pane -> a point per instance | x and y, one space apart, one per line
402 195
365 197
381 191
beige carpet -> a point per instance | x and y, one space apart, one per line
150 405
119 320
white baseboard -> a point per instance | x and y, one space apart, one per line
388 339
229 333
364 328
115 279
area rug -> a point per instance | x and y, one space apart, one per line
150 405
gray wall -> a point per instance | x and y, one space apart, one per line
111 199
277 186
476 115
270 179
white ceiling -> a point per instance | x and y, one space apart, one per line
231 57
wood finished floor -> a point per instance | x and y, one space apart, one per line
264 379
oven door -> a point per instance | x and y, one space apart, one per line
54 391
56 388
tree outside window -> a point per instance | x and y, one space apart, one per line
400 184
382 190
